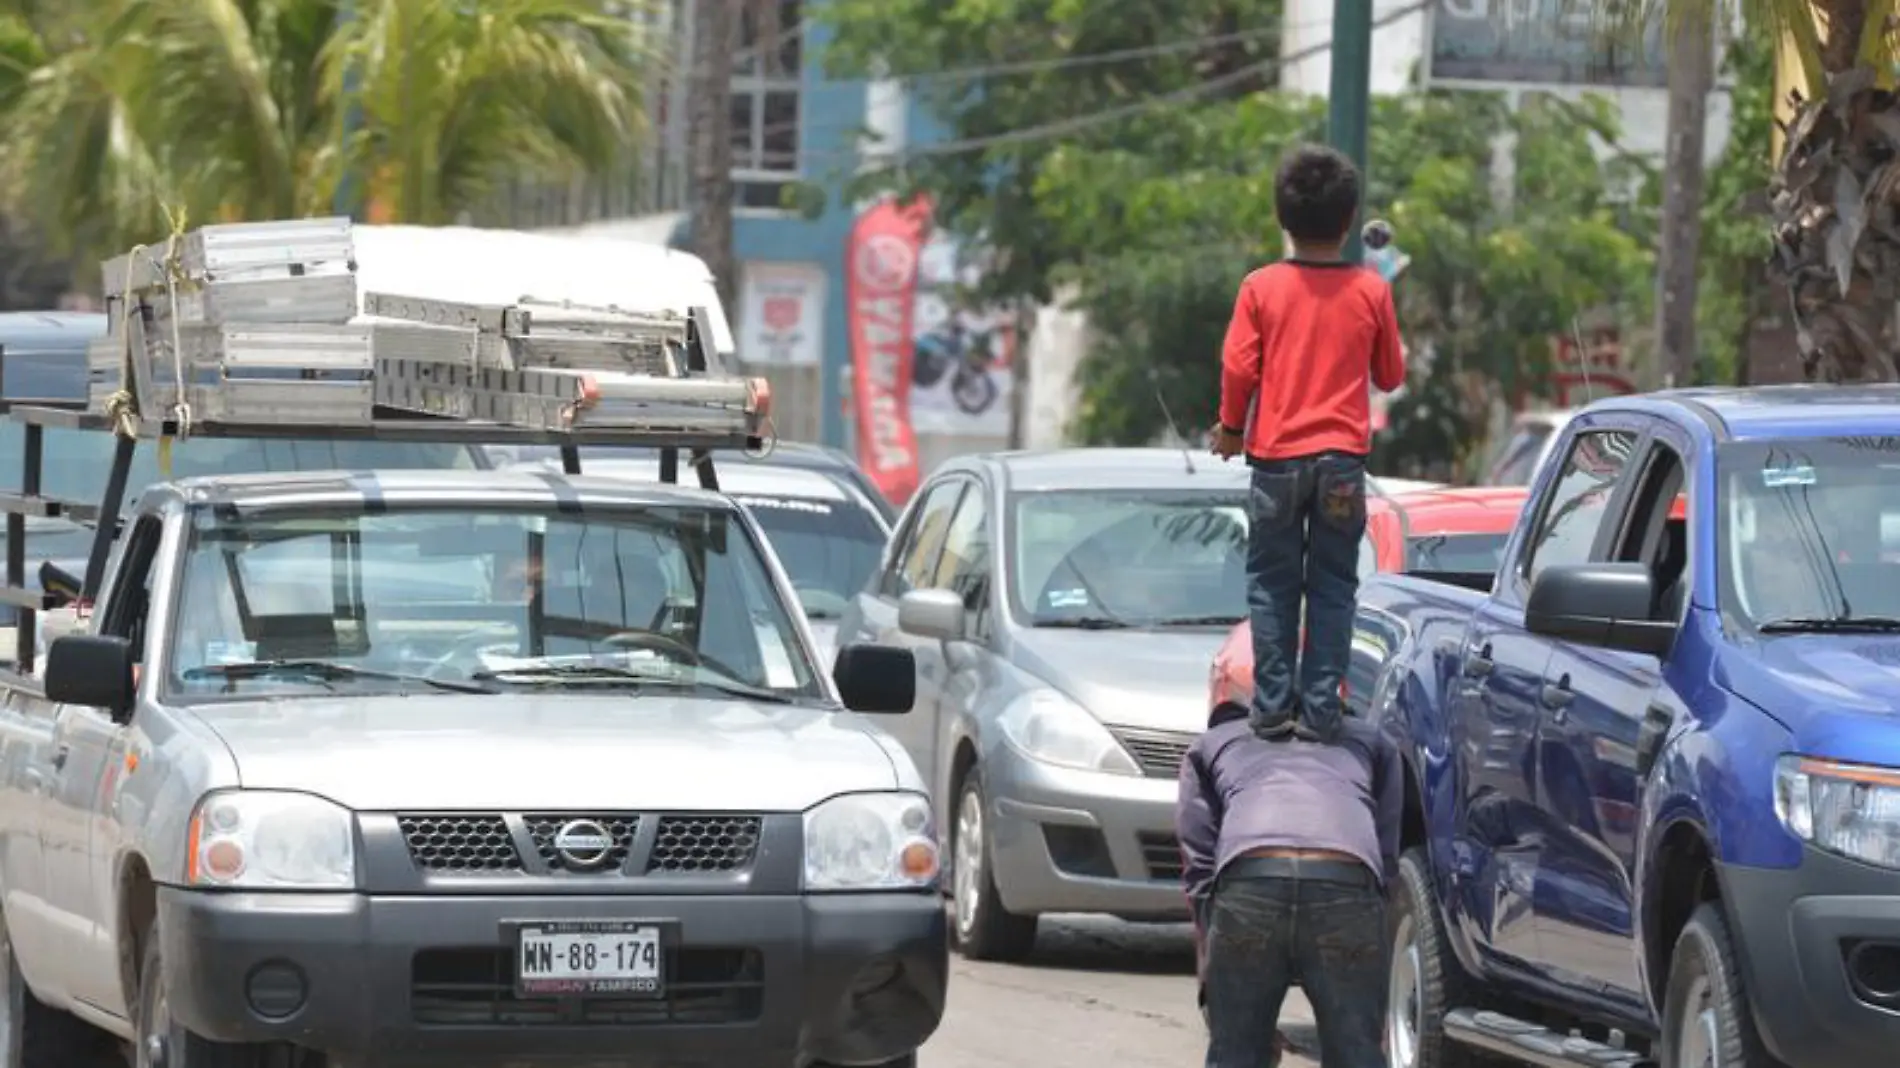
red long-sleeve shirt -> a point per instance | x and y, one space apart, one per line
1309 340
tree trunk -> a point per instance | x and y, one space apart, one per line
709 138
1691 76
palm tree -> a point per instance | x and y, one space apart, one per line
1837 184
236 109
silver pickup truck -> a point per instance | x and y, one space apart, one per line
458 768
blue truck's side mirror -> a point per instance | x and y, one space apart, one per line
1608 605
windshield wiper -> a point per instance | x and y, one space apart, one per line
1085 623
557 673
1833 625
569 672
321 671
1198 621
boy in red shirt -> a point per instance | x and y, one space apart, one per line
1309 336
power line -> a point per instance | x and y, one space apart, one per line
1086 59
1061 127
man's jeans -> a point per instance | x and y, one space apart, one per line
1308 516
1267 934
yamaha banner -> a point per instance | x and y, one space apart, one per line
881 261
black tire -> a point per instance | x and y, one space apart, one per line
182 1049
1423 976
1705 1001
983 928
35 1036
974 391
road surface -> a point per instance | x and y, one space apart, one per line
1096 992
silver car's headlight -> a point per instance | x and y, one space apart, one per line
1049 727
874 841
1849 809
271 840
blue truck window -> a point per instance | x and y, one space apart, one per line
1581 498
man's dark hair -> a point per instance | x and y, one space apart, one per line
1316 194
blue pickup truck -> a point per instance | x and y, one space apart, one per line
1654 761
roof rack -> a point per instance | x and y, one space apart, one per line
252 330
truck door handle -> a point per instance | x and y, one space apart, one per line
59 757
1556 697
1479 664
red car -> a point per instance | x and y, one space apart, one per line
1444 529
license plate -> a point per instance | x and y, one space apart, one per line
623 958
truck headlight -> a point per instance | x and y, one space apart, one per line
877 841
1849 809
1049 727
271 840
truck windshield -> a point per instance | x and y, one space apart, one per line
1809 530
668 598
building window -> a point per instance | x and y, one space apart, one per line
766 117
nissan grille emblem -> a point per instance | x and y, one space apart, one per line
583 844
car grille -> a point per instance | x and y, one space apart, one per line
475 844
1162 854
1158 752
475 987
543 827
460 844
689 845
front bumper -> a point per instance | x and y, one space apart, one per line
427 981
1797 931
1077 841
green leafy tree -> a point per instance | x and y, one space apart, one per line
1003 77
1736 239
116 111
1165 233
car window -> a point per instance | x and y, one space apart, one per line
1579 499
673 595
966 550
1516 462
829 548
76 463
916 566
1132 556
1456 552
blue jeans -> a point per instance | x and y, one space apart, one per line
1308 516
1265 935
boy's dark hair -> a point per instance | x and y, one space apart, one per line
1316 194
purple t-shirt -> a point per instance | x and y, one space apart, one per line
1240 792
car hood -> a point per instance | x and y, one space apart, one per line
1153 680
1838 694
557 751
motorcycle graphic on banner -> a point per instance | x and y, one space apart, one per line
960 370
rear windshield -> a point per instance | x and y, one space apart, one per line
75 463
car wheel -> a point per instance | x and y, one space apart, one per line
1424 980
984 929
1706 1018
35 1036
164 1043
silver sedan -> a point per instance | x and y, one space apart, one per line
1062 678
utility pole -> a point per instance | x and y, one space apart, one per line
1691 77
1351 96
709 140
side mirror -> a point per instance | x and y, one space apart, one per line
1608 605
931 614
93 670
60 583
876 678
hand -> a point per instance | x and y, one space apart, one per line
1226 443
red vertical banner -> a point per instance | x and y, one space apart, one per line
880 299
